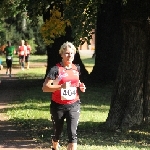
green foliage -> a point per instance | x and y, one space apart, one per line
82 19
12 32
82 14
41 47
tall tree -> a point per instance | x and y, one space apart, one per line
82 21
108 44
130 99
52 50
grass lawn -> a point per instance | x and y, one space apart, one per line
32 112
33 58
34 72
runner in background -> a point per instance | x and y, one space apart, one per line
2 49
22 52
9 51
28 54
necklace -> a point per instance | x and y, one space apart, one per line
66 67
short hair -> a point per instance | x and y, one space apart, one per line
65 46
8 42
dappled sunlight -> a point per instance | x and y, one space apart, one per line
30 111
89 63
94 116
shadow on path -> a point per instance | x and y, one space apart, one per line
12 138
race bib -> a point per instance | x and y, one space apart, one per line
68 93
8 57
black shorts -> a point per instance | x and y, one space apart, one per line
9 62
71 114
27 58
21 57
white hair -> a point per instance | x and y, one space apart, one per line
65 46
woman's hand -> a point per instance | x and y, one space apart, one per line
82 87
66 85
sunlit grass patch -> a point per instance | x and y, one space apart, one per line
32 58
31 111
32 73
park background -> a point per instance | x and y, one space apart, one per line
121 49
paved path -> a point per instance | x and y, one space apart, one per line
12 138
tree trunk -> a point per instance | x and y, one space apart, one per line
108 43
131 92
53 56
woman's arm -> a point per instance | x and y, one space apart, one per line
49 87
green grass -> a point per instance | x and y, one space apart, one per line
88 61
3 58
38 58
31 111
39 72
32 73
35 72
33 58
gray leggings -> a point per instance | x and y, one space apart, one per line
72 117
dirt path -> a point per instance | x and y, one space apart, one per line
12 138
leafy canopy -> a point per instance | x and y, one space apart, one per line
54 27
81 15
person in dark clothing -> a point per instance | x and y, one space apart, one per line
9 51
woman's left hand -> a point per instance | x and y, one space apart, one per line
82 87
